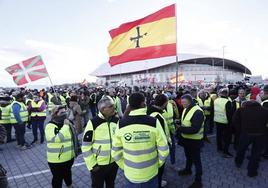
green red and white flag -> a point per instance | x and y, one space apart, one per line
28 70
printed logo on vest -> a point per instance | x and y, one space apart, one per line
128 136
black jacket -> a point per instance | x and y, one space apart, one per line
252 118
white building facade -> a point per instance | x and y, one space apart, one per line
190 70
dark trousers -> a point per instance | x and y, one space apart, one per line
38 124
172 149
224 136
160 174
266 143
257 142
60 172
20 132
207 125
192 154
152 183
8 128
106 173
236 140
211 125
93 110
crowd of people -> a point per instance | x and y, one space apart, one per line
137 129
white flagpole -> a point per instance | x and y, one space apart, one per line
52 85
49 78
177 58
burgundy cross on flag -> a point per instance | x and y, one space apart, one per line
28 70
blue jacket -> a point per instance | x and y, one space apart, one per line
16 112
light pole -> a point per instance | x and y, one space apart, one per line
223 63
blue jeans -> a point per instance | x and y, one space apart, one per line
172 149
38 125
152 183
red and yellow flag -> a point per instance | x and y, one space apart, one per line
153 36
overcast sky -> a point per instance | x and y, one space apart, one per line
72 35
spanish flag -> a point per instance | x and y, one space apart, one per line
151 37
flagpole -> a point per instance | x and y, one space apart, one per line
51 83
120 74
177 58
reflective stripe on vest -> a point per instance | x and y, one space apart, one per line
220 110
186 122
5 114
141 165
23 113
38 105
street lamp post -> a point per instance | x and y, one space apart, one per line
223 63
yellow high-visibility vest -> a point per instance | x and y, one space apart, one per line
220 110
206 103
168 115
38 105
50 104
6 111
23 113
97 141
186 122
139 146
59 143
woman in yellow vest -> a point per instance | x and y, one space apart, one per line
191 130
60 147
37 110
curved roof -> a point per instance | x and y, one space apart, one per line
106 70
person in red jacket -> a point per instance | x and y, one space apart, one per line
255 90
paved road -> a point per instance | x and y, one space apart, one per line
29 169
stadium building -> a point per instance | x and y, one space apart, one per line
192 69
